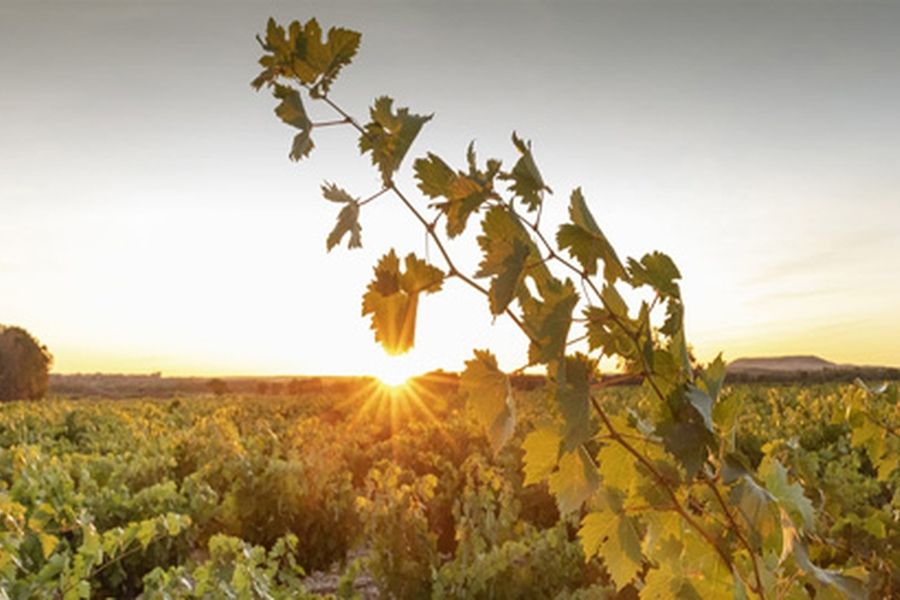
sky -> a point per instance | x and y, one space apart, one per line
150 219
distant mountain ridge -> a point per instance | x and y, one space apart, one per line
806 368
782 363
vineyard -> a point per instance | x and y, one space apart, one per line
395 494
668 478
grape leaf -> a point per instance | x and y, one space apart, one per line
541 448
657 271
464 193
586 243
332 192
291 111
661 584
507 249
616 539
48 543
389 135
616 466
703 404
347 222
300 53
549 321
348 218
573 376
688 442
392 299
574 481
490 397
527 182
790 495
796 549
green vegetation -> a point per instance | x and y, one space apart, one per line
244 496
664 491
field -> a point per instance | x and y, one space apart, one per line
375 493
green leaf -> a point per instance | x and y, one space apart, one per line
347 222
527 182
490 397
713 377
657 271
389 135
616 539
701 401
548 322
291 111
616 466
328 58
795 548
586 243
335 194
789 495
464 193
300 53
573 377
674 323
392 298
507 252
574 481
48 543
541 448
661 583
146 532
688 442
348 218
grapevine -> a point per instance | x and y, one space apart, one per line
661 491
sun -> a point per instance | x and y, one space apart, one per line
395 372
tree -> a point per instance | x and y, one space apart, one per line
217 386
24 365
662 489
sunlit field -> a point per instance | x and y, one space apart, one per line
391 491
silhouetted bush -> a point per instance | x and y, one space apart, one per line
217 386
24 365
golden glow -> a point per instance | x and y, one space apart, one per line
395 371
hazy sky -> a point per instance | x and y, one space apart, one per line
151 220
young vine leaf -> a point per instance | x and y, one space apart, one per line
392 298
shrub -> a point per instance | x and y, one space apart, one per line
24 365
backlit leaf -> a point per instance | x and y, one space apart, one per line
615 538
789 495
347 222
616 466
389 135
548 321
657 271
574 481
490 397
541 448
573 377
392 298
586 243
300 53
463 193
291 111
527 182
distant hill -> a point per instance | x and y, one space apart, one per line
781 364
776 369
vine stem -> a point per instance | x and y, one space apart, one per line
634 336
429 227
741 538
663 482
